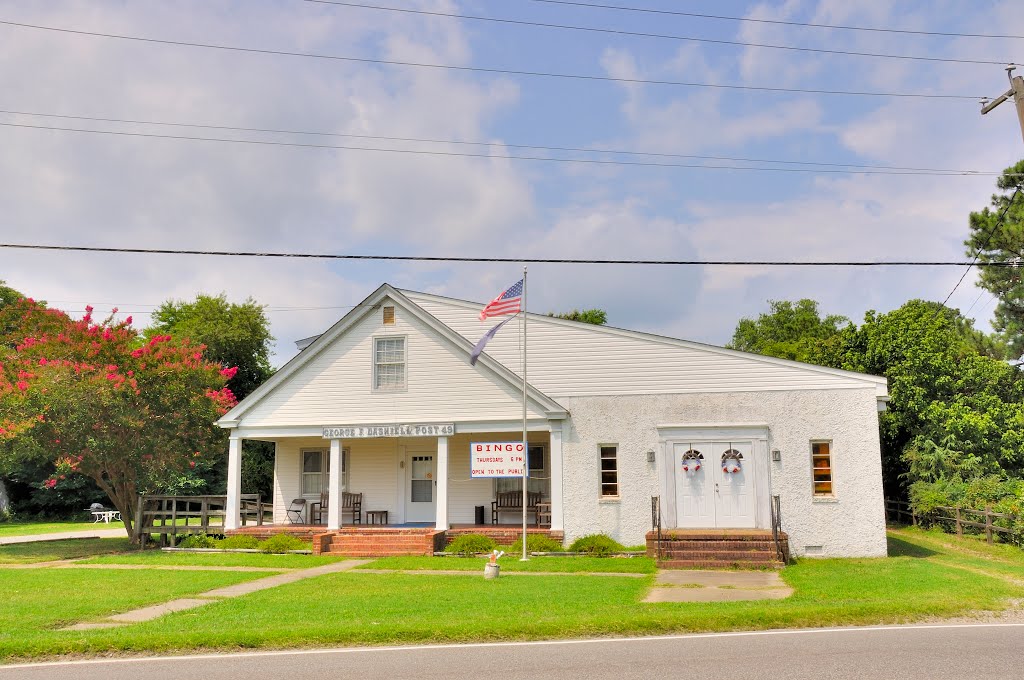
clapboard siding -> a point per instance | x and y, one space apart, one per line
335 386
569 359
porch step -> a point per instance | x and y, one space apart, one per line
378 542
718 564
716 549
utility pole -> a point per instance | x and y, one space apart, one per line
1016 91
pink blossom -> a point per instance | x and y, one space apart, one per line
22 385
128 321
229 373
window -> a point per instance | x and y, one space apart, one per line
316 471
389 316
609 472
539 479
389 363
821 467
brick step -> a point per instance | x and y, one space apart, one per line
711 535
715 545
718 564
726 555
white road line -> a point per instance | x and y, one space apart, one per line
535 643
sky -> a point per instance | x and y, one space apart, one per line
67 188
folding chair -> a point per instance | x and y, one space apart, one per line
295 510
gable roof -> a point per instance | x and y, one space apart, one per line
460 344
570 358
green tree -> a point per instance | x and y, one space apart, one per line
598 317
789 330
235 335
86 396
990 242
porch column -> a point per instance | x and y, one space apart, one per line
232 515
334 488
556 476
441 506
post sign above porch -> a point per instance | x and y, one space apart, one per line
391 430
497 459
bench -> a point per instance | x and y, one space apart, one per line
351 503
512 501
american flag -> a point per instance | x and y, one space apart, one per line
506 303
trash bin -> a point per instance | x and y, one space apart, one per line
479 514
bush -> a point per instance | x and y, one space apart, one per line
535 543
282 543
240 542
471 544
597 545
198 541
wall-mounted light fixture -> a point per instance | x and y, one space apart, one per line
776 455
650 455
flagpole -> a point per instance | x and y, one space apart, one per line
526 445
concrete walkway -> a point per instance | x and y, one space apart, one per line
65 535
210 596
681 585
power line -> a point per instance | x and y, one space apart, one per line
464 154
518 260
480 69
663 36
780 22
491 144
974 261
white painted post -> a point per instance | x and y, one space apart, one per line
556 476
334 488
441 501
232 514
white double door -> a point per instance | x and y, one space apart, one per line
713 497
421 485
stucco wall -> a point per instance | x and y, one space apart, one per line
851 524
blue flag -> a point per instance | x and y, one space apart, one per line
475 354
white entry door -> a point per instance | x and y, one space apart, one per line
714 484
421 488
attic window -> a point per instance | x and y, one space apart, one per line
389 316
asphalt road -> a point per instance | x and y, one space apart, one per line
976 652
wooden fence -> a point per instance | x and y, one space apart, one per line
957 518
160 517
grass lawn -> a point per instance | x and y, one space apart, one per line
158 557
8 529
70 549
922 580
622 565
36 602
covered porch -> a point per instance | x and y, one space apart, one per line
404 477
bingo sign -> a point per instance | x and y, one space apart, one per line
497 459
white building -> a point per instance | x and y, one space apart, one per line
386 404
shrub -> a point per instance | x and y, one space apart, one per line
198 541
282 543
535 543
239 542
471 544
598 545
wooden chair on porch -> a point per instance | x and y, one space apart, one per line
351 503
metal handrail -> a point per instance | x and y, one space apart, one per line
776 507
656 522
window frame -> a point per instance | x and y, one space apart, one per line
405 364
831 493
602 484
325 470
